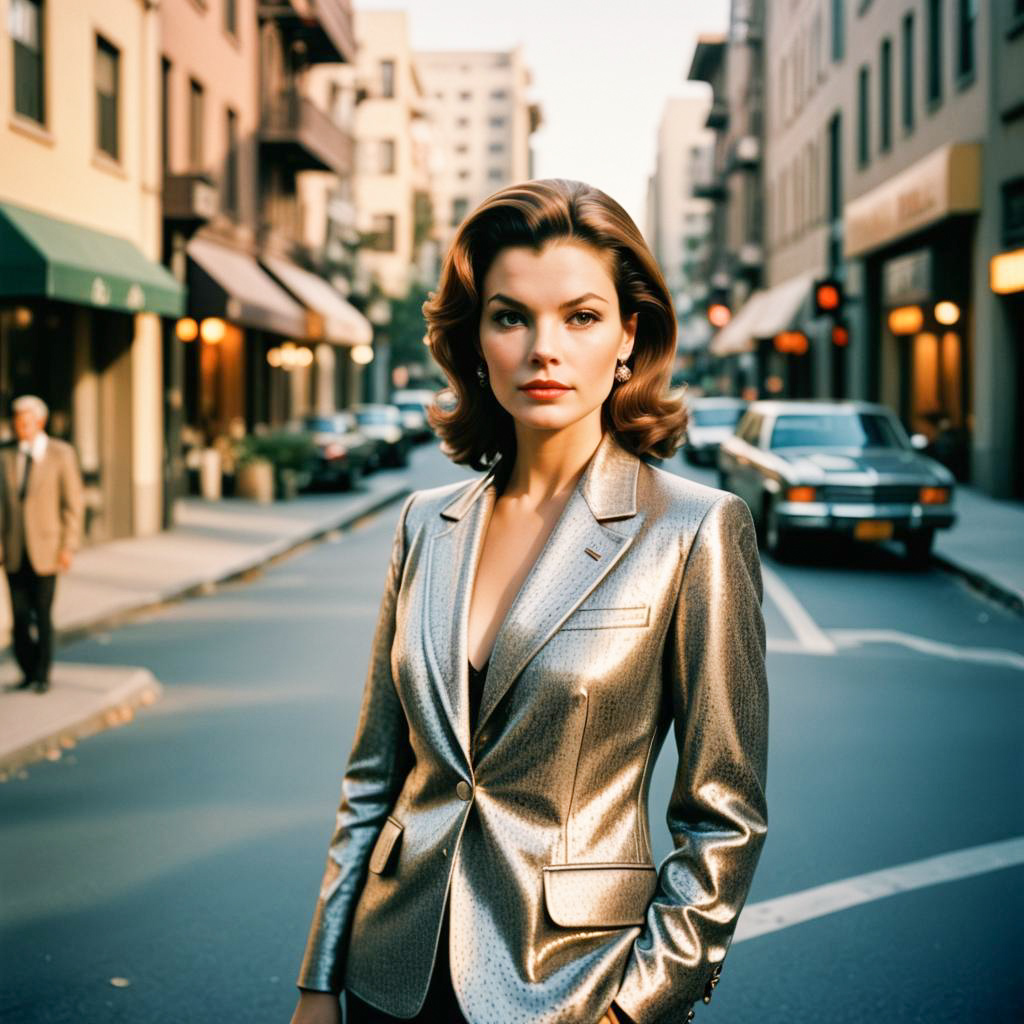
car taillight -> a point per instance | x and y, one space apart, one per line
334 451
933 496
800 494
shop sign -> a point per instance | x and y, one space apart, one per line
946 182
907 279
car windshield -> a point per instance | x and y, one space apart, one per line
376 416
835 430
325 424
717 416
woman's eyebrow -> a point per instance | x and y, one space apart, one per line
579 300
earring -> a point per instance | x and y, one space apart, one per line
481 375
622 372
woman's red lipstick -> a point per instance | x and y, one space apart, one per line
544 390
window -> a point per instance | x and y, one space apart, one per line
195 125
497 122
26 24
462 122
460 207
496 173
462 149
387 79
383 232
838 29
108 87
231 16
463 175
863 116
165 114
229 191
907 91
967 18
386 156
499 94
885 96
834 200
496 147
465 96
934 69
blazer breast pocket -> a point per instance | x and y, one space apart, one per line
609 618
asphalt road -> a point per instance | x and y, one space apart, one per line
165 872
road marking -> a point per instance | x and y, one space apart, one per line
810 636
977 655
785 911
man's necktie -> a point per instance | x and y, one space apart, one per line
24 479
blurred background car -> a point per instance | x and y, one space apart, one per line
383 424
712 420
344 452
413 404
846 468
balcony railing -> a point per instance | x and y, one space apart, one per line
324 26
713 189
190 198
304 135
718 116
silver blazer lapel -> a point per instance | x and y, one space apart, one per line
578 554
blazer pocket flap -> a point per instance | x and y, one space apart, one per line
599 895
387 844
605 618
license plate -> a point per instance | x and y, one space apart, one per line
873 529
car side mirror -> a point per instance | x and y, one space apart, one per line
919 442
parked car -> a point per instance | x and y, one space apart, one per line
712 420
383 423
841 467
344 452
413 404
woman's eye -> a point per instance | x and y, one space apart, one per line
507 318
583 318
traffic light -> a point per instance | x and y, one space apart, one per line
719 314
828 297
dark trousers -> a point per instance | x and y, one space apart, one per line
31 605
441 1006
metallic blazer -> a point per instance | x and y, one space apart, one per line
642 613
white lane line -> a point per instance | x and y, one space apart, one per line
977 655
785 911
812 639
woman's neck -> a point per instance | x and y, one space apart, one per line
549 463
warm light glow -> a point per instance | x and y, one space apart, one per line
947 313
362 354
290 356
22 317
800 494
186 329
792 343
274 357
906 320
773 385
303 357
840 336
1006 272
934 496
719 314
212 330
827 297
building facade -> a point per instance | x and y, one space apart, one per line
82 291
482 120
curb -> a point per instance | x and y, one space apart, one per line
990 588
117 707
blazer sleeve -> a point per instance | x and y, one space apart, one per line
378 763
714 665
72 500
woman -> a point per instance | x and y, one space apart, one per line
542 628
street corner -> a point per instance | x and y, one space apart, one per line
81 700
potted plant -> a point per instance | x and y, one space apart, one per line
279 463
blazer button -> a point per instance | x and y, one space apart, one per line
464 790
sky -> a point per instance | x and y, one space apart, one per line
601 73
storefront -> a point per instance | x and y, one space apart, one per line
1006 280
79 326
916 236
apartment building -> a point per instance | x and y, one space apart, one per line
482 118
82 291
677 223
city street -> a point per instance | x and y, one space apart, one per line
166 872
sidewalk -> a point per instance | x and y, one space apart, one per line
210 543
986 546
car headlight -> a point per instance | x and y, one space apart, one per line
933 496
800 494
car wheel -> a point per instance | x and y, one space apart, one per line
919 548
776 538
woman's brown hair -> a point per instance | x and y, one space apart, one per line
643 416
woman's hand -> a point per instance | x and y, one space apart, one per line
317 1008
610 1017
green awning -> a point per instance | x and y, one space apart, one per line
44 256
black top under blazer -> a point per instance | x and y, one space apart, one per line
641 614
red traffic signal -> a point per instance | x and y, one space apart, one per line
840 335
719 314
828 297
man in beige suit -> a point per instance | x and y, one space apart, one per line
42 507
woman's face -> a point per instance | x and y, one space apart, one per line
552 318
